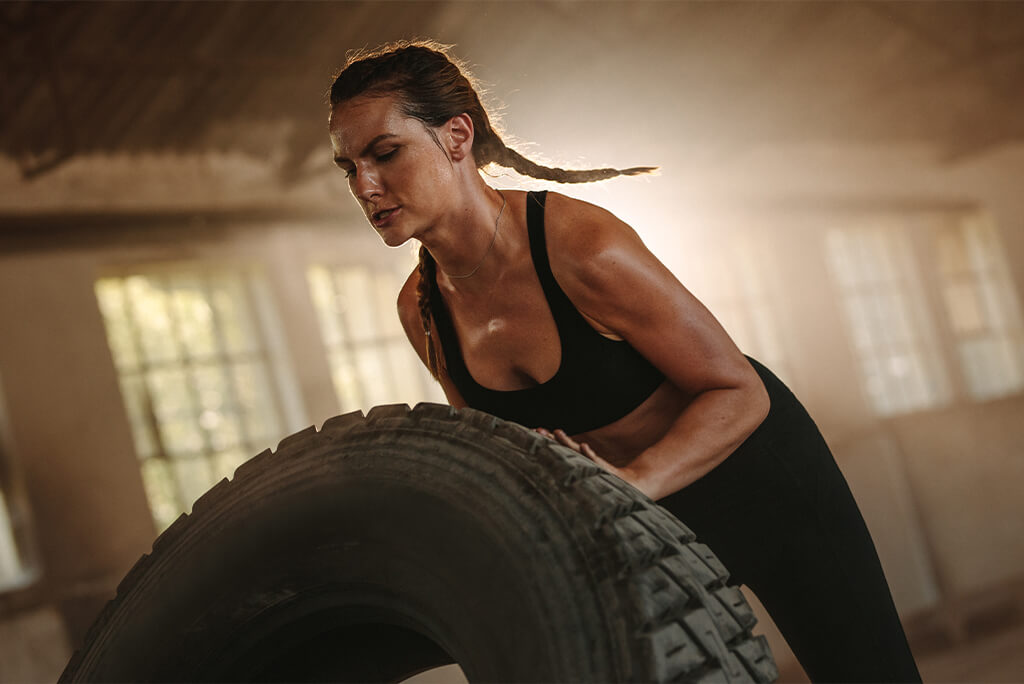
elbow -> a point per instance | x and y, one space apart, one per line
757 404
748 407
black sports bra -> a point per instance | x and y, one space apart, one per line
598 381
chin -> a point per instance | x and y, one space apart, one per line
394 243
393 238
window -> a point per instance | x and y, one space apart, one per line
370 357
18 568
982 307
741 297
889 323
202 391
14 570
905 362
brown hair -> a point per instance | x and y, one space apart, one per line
433 87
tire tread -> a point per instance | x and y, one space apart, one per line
689 623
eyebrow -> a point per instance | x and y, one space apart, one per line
369 146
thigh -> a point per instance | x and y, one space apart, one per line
824 586
779 514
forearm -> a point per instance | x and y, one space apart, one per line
711 427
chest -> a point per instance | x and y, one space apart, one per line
507 336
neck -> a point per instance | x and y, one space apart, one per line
468 245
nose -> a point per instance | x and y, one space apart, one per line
366 185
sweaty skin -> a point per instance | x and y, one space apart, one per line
711 400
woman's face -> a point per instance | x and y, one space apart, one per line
395 168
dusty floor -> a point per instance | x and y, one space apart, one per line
996 658
996 655
989 652
976 639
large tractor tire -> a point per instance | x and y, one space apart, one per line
385 545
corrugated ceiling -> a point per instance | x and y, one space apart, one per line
124 77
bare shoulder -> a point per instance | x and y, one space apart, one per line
409 307
578 229
594 255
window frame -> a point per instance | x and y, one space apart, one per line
400 269
271 355
921 228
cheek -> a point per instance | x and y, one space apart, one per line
429 164
429 182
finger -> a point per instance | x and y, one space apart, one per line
567 440
592 455
545 432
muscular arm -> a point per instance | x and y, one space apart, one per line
614 280
409 314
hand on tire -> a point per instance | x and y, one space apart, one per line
562 438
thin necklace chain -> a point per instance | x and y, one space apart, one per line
493 237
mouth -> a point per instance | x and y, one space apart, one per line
381 216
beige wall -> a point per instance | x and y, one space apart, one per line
67 420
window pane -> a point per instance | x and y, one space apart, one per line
193 316
193 475
371 359
197 386
224 429
233 314
982 306
225 463
260 420
374 375
346 381
14 572
161 492
408 372
169 392
148 307
181 437
999 306
887 317
992 366
140 414
327 306
211 387
736 285
113 306
357 304
386 288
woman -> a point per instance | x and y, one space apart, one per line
549 311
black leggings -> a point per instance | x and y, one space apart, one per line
780 516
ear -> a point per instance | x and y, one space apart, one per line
459 131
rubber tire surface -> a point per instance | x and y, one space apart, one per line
385 545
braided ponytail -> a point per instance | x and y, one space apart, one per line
433 87
511 159
427 269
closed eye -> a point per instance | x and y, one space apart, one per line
347 167
350 171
